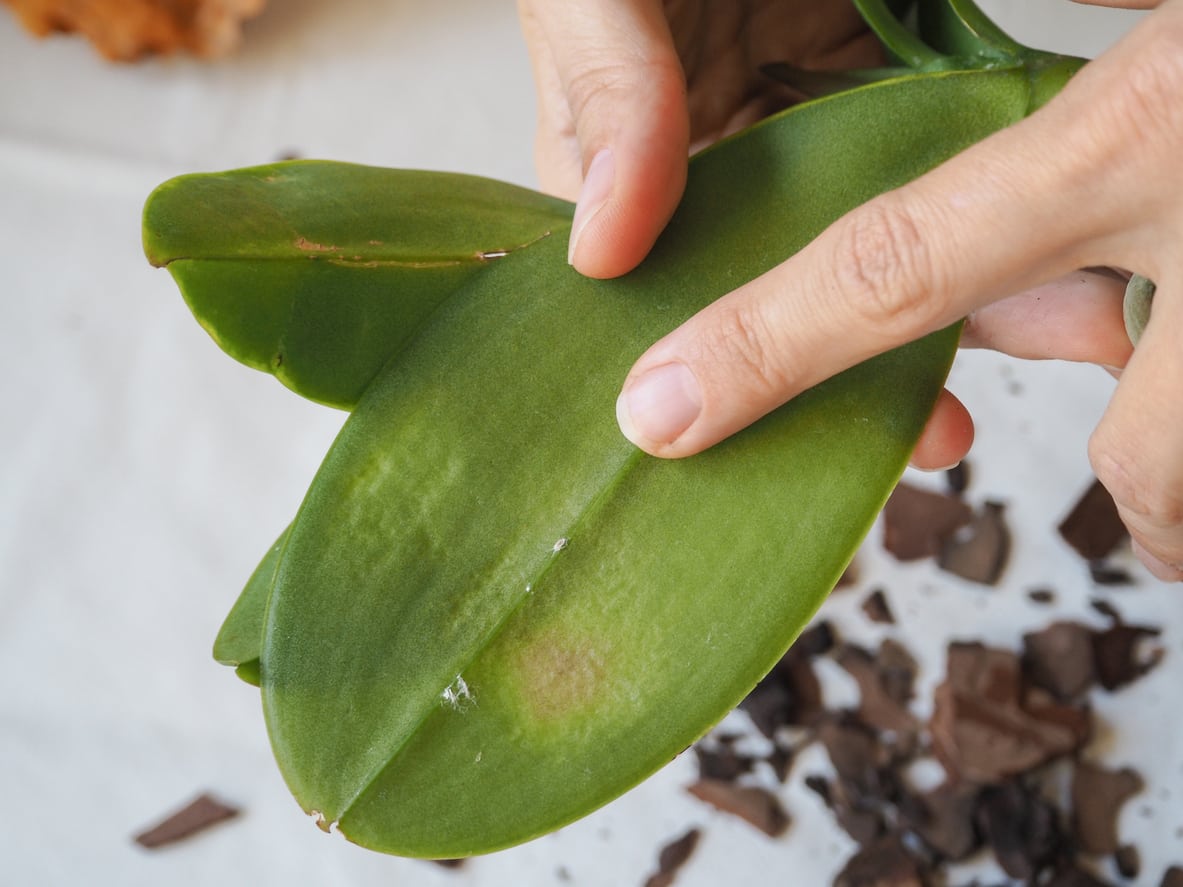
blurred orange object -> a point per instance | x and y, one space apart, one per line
125 30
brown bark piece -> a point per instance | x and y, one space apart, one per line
125 30
1093 527
723 763
884 684
1021 828
876 608
917 522
884 864
978 552
946 820
1120 655
203 812
858 757
958 477
1097 797
1059 658
987 726
756 805
867 785
1042 596
1128 861
672 857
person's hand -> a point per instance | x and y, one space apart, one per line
627 88
1092 180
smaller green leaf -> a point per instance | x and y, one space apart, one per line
251 673
319 272
960 30
241 637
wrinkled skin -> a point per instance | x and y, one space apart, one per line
712 88
627 87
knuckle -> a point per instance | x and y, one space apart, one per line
884 269
1150 504
597 83
745 347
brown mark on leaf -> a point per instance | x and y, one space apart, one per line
309 246
559 675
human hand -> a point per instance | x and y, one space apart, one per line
628 88
1090 180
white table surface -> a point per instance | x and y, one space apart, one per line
143 473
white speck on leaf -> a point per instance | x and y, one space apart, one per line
560 544
457 694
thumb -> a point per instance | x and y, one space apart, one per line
613 123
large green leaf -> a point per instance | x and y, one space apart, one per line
493 614
318 272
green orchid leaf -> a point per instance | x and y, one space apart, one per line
960 28
318 272
904 47
815 84
493 614
250 672
240 639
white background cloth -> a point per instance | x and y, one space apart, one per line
143 473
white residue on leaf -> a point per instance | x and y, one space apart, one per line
560 544
457 694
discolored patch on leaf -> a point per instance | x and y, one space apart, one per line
560 675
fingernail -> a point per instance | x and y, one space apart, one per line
659 405
936 470
597 188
